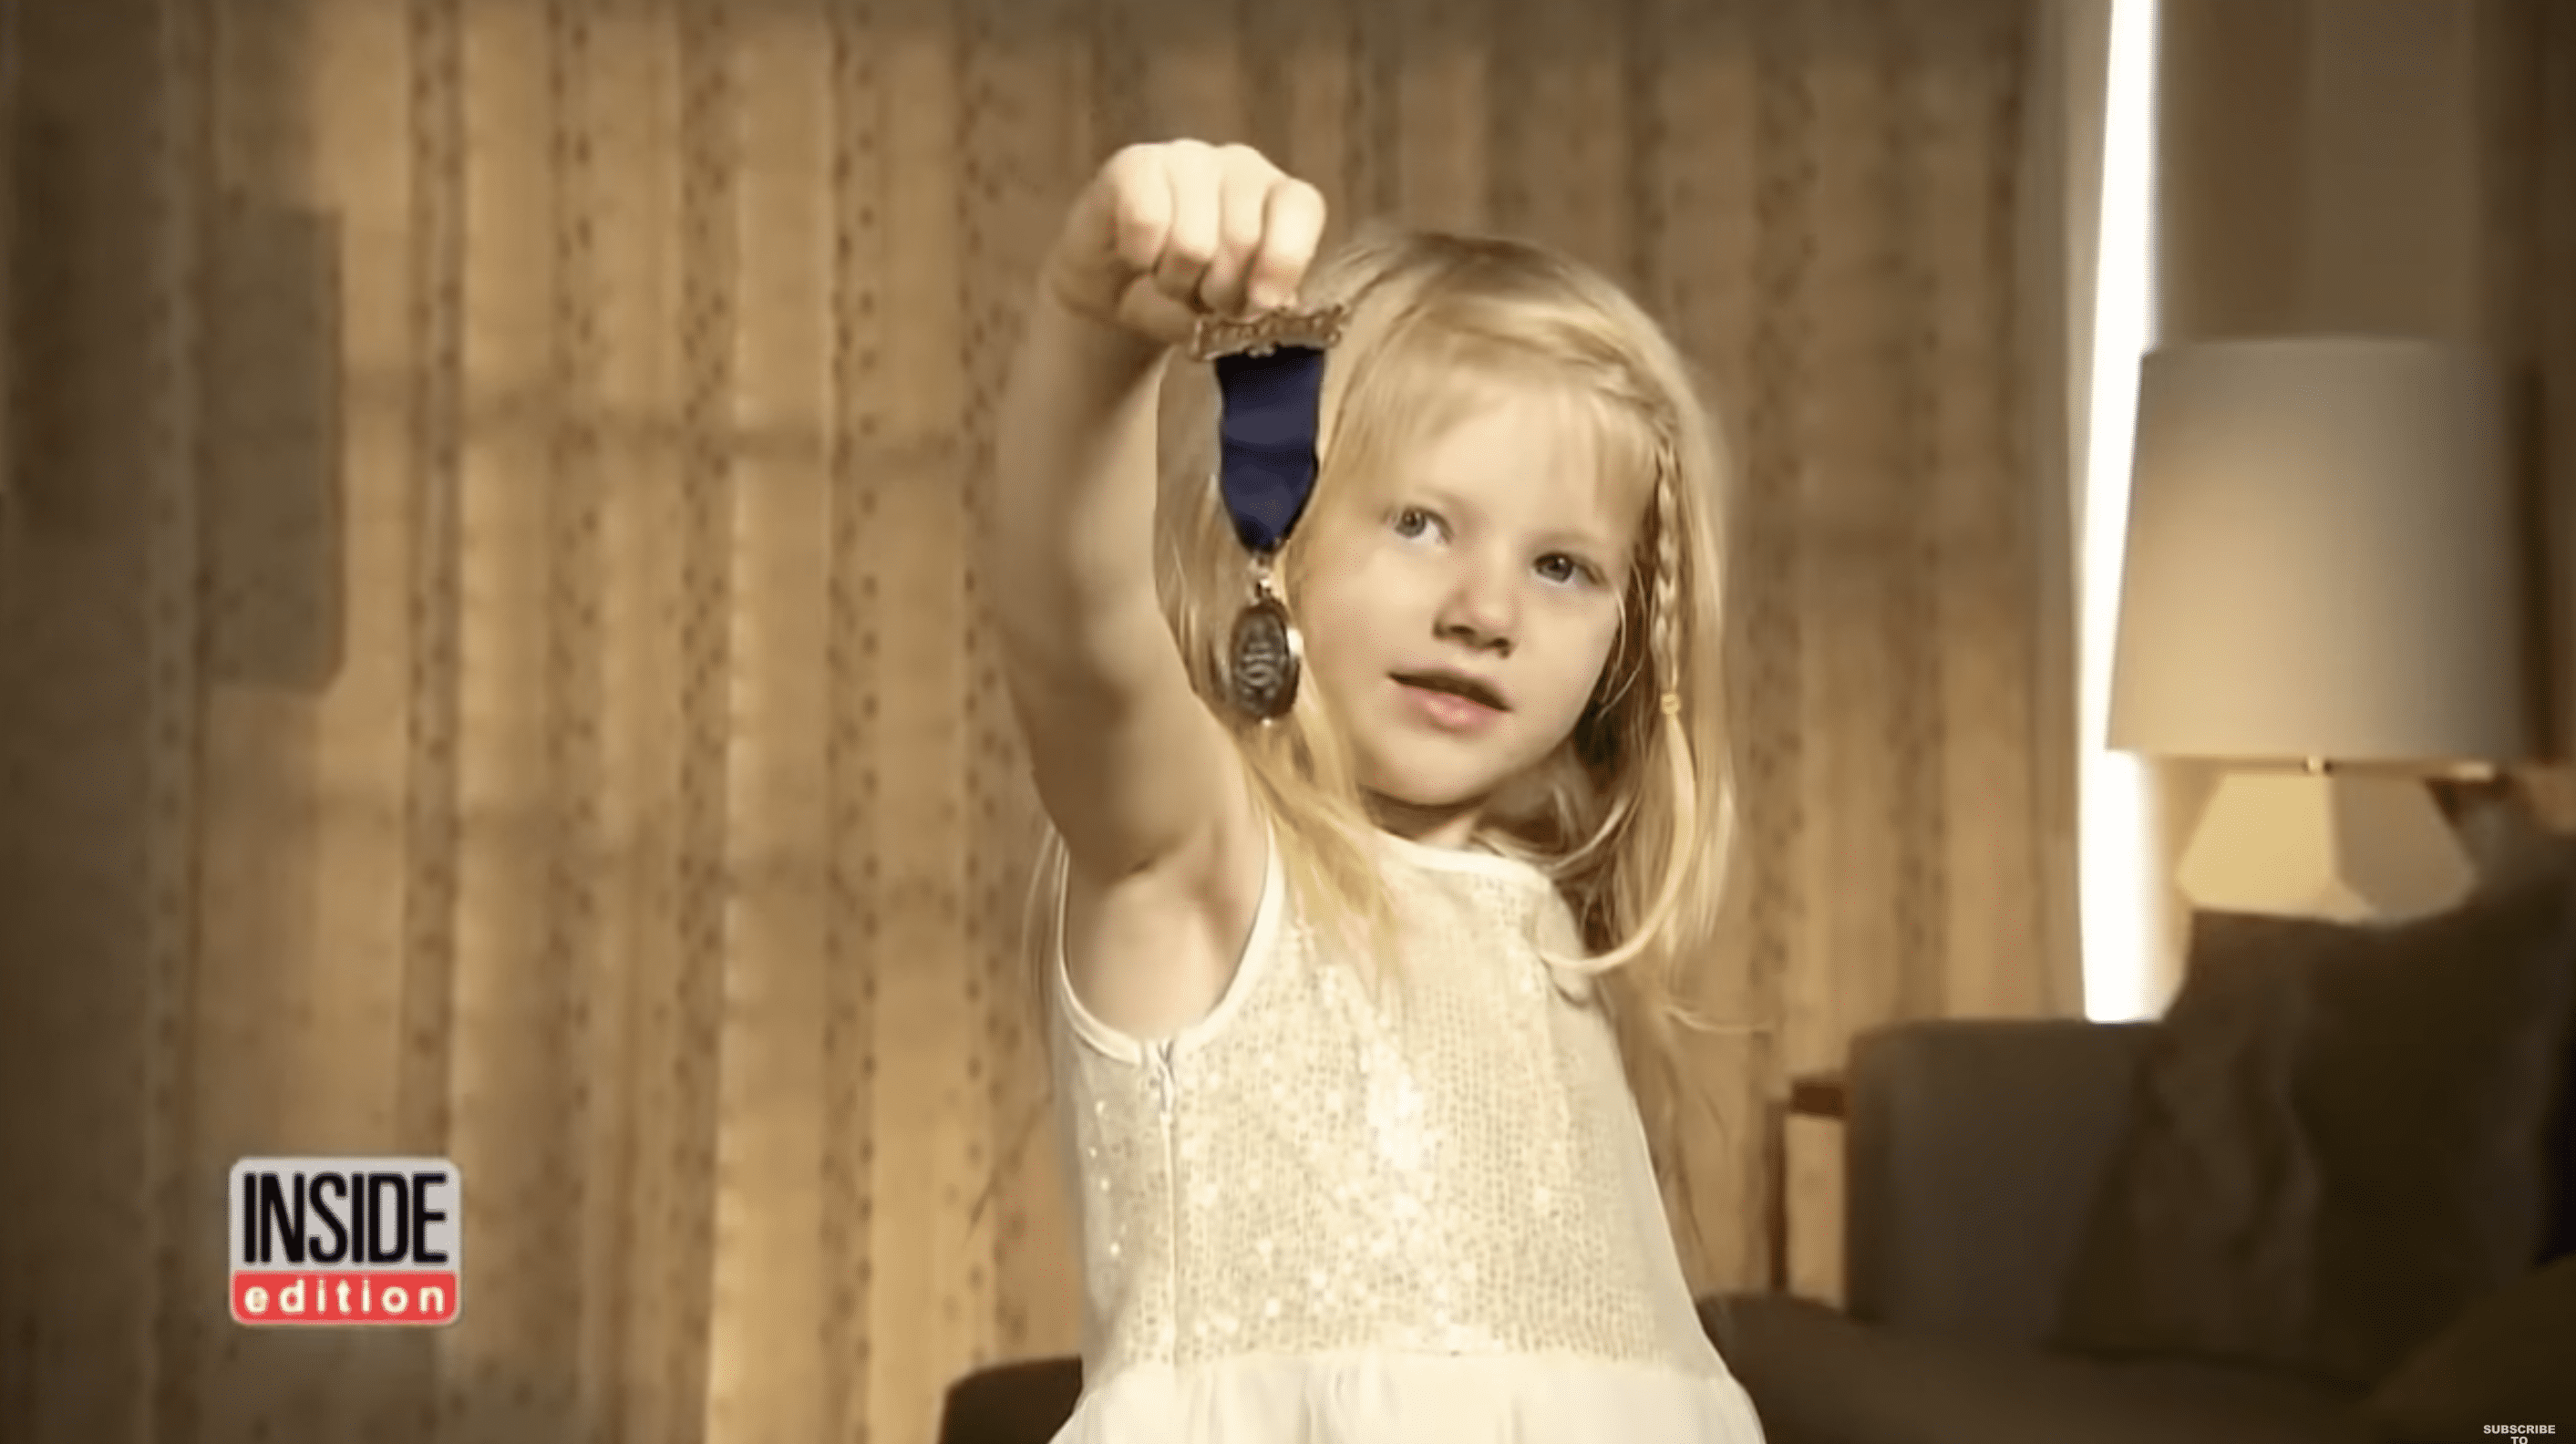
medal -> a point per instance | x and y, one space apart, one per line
1266 656
1270 377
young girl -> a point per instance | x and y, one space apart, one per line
1340 994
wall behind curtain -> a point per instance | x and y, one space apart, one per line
493 668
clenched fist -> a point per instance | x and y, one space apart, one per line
1165 234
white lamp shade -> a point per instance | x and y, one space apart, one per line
2324 557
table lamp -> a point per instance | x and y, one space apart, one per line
2324 589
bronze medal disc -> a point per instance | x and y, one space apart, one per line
1266 657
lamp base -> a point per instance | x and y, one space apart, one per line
2346 849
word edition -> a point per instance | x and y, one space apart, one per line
346 1241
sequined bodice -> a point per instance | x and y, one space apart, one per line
1455 1168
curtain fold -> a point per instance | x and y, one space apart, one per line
12 61
495 666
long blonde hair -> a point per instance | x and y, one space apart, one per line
1633 815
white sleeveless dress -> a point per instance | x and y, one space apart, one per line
1322 1218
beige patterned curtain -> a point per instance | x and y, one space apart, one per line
492 668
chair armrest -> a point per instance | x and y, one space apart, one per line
1024 1402
1974 1148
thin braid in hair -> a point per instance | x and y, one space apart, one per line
1664 663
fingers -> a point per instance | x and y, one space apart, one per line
1292 225
1170 232
1242 198
1140 208
1194 182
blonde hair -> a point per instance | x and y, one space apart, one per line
1632 816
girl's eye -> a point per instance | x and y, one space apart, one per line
1409 520
1573 569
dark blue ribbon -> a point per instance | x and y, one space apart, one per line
1266 438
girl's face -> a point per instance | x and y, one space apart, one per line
1493 565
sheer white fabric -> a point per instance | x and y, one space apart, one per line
1330 1217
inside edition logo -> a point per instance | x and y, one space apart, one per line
345 1240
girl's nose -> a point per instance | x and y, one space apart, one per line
1481 610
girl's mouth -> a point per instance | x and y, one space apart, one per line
1457 684
1447 710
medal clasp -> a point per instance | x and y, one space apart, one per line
1314 330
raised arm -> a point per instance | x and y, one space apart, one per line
1129 763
